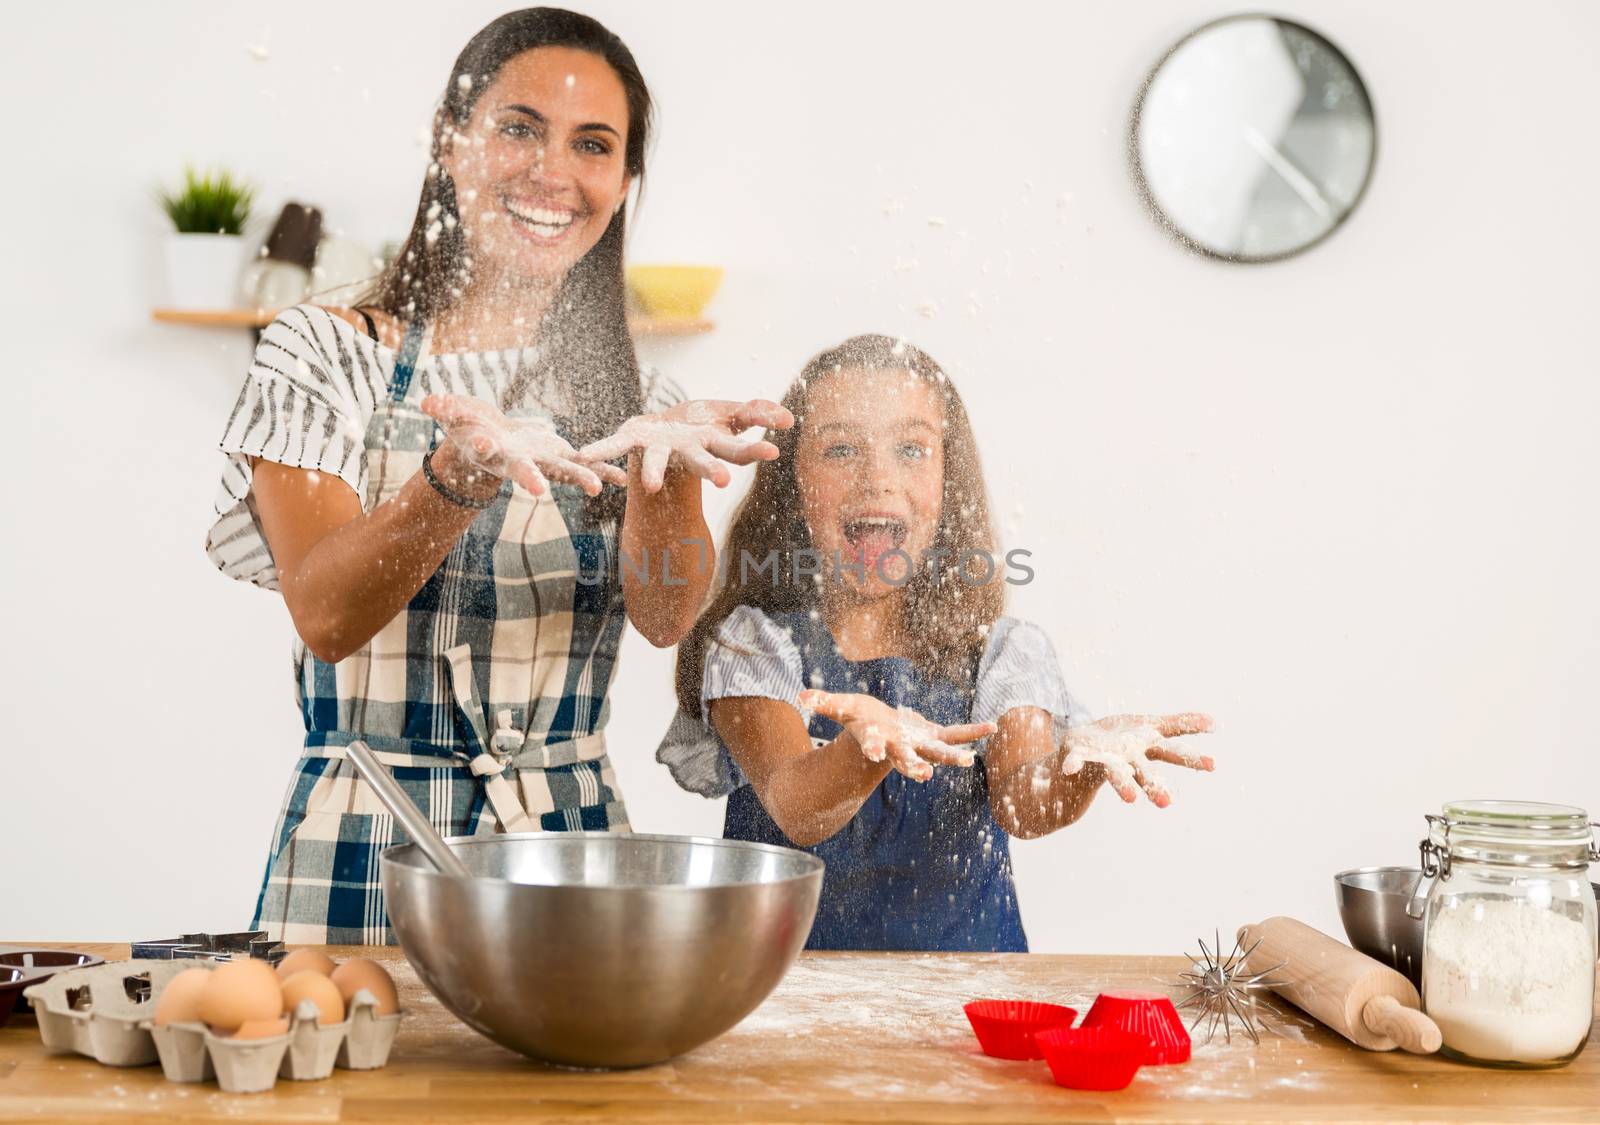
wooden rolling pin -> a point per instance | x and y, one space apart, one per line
1365 1001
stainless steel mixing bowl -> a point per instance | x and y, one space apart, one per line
1372 906
602 949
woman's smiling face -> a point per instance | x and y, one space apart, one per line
540 167
869 462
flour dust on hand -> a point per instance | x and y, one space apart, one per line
912 744
1125 745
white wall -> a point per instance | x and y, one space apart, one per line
1343 502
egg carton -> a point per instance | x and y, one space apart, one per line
105 1012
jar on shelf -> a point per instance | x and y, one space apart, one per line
1508 960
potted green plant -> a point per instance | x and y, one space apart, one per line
206 250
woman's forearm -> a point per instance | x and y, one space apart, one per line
668 558
355 579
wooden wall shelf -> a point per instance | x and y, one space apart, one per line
219 318
260 318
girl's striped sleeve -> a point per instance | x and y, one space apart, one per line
1020 669
751 655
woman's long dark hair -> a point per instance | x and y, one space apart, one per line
946 620
585 348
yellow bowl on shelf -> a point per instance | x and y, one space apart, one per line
674 292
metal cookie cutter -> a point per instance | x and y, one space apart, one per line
212 947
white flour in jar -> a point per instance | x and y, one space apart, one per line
1509 980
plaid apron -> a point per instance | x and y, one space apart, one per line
485 696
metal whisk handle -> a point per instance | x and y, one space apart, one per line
405 810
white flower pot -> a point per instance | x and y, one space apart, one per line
203 270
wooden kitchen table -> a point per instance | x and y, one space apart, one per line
847 1038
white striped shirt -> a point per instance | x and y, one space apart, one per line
313 386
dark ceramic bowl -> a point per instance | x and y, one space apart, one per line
34 966
12 982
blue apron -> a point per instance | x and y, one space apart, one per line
921 866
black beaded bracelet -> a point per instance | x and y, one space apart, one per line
449 493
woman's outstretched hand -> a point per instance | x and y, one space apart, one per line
912 744
528 450
701 436
1123 744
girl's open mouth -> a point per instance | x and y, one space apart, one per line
873 536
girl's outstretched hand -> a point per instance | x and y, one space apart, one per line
912 744
701 436
1122 744
528 450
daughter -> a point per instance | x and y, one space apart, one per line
854 690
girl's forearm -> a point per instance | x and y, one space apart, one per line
1036 799
358 577
813 796
668 558
1028 793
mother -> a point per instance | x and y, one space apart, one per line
436 601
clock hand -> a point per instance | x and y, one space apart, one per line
1297 180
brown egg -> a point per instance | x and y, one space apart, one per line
179 1001
358 973
262 1029
238 992
302 959
308 984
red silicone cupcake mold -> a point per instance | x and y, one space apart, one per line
1005 1028
1092 1058
1149 1015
